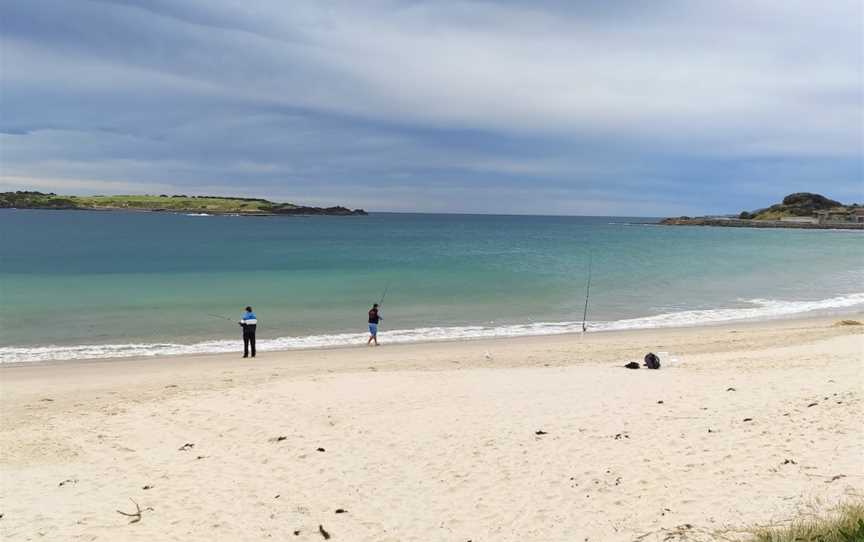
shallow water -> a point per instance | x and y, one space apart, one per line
100 284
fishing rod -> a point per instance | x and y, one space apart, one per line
587 295
384 293
219 316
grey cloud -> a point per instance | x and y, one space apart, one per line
446 96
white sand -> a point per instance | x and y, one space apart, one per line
437 441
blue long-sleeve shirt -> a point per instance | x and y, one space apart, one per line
248 318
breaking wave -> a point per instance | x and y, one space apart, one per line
754 309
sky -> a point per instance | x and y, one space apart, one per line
597 107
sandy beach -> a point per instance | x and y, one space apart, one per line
540 438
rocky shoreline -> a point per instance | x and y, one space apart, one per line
746 223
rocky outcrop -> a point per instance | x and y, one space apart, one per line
327 211
797 204
752 223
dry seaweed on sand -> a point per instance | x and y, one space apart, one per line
848 323
136 516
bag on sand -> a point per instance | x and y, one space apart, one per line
652 361
632 365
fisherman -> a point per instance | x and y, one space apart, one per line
248 322
374 318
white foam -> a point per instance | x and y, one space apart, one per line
756 309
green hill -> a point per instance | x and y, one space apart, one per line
165 203
797 204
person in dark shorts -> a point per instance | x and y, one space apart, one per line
374 318
249 322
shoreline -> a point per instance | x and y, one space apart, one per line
752 223
603 336
813 316
191 212
536 438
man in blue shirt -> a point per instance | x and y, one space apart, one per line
248 322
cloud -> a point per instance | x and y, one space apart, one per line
12 182
447 98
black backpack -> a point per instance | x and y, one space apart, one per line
652 361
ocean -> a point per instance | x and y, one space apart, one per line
78 284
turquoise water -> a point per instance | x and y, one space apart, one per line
91 284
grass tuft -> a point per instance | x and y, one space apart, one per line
846 524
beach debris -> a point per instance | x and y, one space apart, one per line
619 436
731 389
47 400
340 511
68 481
280 438
652 361
632 365
748 419
812 405
297 532
200 457
136 516
659 402
186 447
148 486
789 462
848 323
323 532
277 495
488 355
835 478
320 450
679 532
171 386
540 432
711 430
